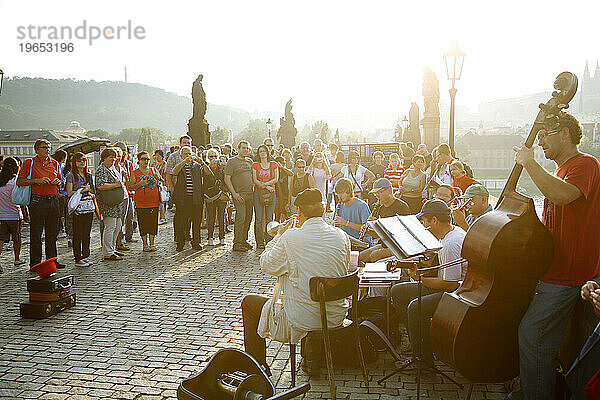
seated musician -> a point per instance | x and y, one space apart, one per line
387 206
478 204
351 213
435 216
588 363
294 256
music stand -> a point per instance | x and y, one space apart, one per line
417 362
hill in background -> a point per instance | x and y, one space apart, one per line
30 103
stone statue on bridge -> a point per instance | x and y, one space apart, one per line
431 116
287 130
197 125
413 134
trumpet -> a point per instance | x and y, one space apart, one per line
273 226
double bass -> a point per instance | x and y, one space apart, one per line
475 328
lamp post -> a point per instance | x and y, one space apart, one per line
454 60
269 126
1 79
404 127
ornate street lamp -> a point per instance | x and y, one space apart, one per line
1 79
269 126
454 60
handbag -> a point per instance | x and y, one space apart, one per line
273 323
21 195
164 193
217 193
266 197
86 205
112 197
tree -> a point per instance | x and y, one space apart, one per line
255 132
587 146
99 133
219 136
145 141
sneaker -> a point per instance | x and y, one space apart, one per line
87 260
131 240
81 263
211 242
61 235
221 242
19 262
59 265
162 221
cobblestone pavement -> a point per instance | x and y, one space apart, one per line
143 324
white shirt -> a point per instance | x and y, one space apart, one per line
121 179
315 249
451 249
444 176
356 178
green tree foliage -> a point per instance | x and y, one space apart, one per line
31 103
99 133
145 141
255 132
587 146
219 136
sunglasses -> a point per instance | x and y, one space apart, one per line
544 134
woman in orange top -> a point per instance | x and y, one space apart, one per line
147 199
461 179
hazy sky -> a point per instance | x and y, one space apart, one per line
332 57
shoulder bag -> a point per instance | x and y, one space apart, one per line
216 193
21 195
112 197
273 323
267 198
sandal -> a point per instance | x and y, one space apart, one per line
147 248
122 247
113 257
153 248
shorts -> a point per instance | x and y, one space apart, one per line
10 228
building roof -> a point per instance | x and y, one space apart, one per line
32 135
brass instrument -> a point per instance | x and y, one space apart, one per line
273 226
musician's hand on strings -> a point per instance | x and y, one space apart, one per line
523 154
339 221
596 299
587 289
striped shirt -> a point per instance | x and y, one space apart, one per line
189 183
391 173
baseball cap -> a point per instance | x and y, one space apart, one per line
474 190
434 206
308 196
379 184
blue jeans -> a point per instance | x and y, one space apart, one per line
262 213
540 333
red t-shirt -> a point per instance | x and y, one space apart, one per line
144 196
464 182
575 227
50 170
391 173
265 175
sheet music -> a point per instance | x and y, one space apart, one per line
406 234
378 272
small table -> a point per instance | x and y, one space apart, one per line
376 275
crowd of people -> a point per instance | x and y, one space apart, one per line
216 186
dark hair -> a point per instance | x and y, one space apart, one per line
568 121
340 157
10 169
39 142
60 156
450 188
107 152
444 218
160 153
141 153
444 149
257 157
184 137
75 170
418 157
312 210
353 154
67 167
242 142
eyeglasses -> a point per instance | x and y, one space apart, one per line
543 134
